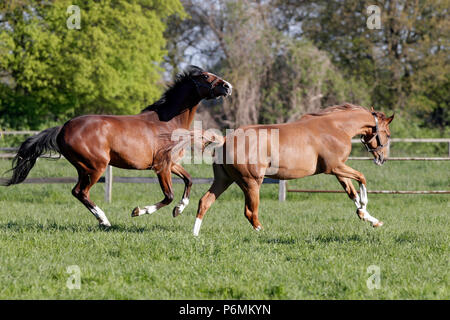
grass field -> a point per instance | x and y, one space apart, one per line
312 247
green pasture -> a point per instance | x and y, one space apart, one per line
312 246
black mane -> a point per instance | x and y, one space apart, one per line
171 90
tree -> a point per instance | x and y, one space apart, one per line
275 77
303 79
110 65
405 63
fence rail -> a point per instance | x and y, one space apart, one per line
376 191
354 141
18 132
108 179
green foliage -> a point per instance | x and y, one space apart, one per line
111 65
303 79
405 64
276 78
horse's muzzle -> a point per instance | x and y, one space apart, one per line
379 159
220 91
227 88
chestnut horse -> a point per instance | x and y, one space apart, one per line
316 143
92 142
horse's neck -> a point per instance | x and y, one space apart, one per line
178 110
192 112
185 118
182 120
355 122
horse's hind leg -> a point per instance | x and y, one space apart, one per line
165 181
221 182
81 192
344 173
251 191
179 171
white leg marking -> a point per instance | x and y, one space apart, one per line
363 201
357 202
148 210
198 223
182 205
363 193
99 214
368 217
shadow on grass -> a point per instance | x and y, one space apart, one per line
341 238
406 237
224 293
323 238
76 228
281 241
344 238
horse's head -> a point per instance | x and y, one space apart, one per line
209 86
378 139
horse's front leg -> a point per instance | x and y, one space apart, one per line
350 190
165 181
344 173
179 171
362 211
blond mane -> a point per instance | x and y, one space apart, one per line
336 108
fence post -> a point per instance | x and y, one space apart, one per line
281 190
108 184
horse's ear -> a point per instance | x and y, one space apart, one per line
389 120
372 109
194 70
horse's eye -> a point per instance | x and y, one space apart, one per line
205 76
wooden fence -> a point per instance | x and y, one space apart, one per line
108 179
283 188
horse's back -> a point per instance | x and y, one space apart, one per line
122 141
284 151
305 147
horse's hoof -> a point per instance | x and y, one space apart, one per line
258 228
378 224
176 211
104 226
180 207
135 212
360 214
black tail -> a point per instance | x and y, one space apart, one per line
29 151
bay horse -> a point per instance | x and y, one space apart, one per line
92 142
316 143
